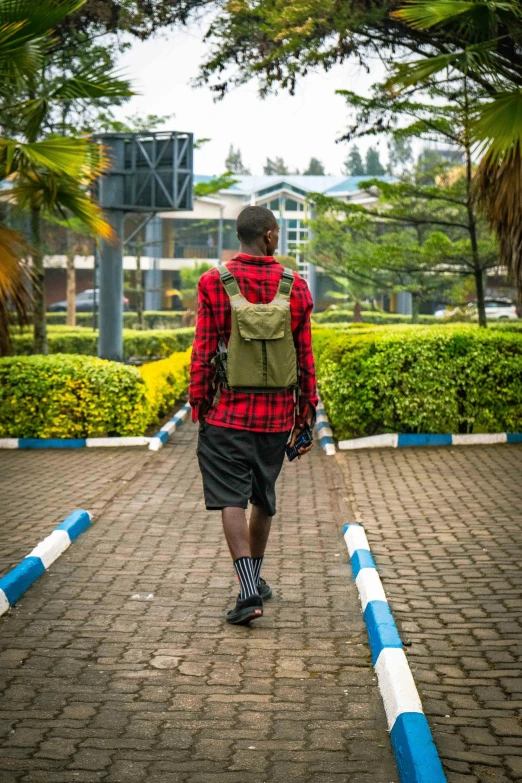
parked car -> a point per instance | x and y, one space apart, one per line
496 310
84 303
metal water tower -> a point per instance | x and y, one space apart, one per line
149 172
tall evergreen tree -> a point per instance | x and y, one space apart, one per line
374 167
275 166
353 165
234 162
400 154
315 167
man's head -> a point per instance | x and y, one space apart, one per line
257 231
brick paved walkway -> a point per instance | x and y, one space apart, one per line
118 666
445 527
39 488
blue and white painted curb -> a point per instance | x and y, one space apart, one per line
22 576
394 441
70 443
161 437
324 431
415 752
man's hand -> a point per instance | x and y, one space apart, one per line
298 430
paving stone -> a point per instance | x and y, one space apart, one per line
445 528
104 686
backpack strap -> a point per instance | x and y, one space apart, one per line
230 284
285 285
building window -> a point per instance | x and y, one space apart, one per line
274 204
291 205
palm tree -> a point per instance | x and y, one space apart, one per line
46 172
489 53
14 288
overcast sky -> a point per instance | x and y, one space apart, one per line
293 127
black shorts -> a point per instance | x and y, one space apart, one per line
239 465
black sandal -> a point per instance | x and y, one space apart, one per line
246 610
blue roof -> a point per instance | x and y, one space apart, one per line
248 184
351 184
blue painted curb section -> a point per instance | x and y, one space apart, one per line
21 577
161 437
324 432
415 752
393 441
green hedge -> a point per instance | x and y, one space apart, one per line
136 344
65 396
70 397
152 319
445 379
370 317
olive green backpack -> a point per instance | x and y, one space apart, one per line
261 355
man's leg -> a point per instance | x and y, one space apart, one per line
259 530
236 534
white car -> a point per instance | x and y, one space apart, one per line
496 310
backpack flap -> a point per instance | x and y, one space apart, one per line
261 322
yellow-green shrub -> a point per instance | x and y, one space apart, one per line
165 381
64 396
67 396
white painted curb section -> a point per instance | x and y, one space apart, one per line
478 438
4 603
369 586
130 441
51 547
396 684
388 440
8 443
355 538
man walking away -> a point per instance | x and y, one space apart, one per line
252 384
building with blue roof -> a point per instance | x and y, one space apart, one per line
173 240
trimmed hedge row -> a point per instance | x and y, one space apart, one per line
64 396
369 317
446 379
165 382
136 344
152 319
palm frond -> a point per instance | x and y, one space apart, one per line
91 84
62 197
498 190
61 155
497 129
38 16
15 297
498 180
476 57
481 15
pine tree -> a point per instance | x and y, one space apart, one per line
400 153
374 167
234 162
276 166
315 167
353 165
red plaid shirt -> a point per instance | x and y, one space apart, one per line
258 278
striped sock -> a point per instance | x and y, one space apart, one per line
245 574
257 562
